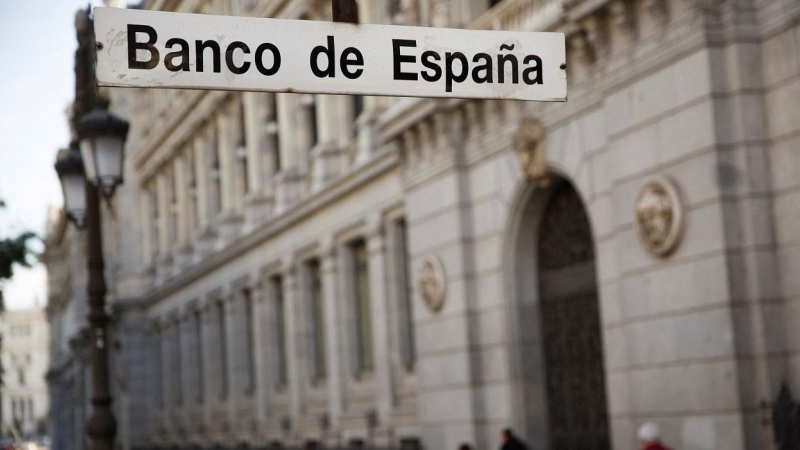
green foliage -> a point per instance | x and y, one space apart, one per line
13 251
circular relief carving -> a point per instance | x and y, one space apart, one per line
659 216
432 283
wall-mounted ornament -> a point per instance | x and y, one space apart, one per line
432 283
530 145
659 216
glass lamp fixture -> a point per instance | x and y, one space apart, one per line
69 166
102 141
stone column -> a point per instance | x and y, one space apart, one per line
294 147
287 105
229 225
304 131
260 353
333 342
296 381
166 373
270 148
233 355
201 164
182 246
257 114
147 229
376 250
204 240
210 363
162 198
189 375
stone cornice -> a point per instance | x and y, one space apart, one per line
381 163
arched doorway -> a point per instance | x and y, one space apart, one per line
573 346
558 340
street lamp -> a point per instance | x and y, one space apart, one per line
69 166
96 167
102 140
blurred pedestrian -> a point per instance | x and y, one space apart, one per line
464 447
650 437
510 441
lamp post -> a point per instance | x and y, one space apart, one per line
99 170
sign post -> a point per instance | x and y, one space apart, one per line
137 48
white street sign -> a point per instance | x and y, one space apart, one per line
137 48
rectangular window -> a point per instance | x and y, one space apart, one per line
272 150
281 364
243 184
250 341
222 330
154 223
173 205
317 316
198 329
177 388
191 182
358 108
363 310
215 194
158 376
404 307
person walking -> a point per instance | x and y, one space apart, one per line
650 437
510 441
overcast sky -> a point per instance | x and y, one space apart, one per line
37 44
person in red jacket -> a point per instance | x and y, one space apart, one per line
650 437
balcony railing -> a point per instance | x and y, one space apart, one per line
520 15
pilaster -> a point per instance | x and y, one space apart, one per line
182 247
229 216
296 378
336 373
376 250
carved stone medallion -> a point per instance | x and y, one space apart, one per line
659 216
432 283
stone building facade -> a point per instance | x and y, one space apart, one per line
69 369
24 360
292 268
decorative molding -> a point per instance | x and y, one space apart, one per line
531 148
658 9
433 283
659 216
583 48
594 27
623 17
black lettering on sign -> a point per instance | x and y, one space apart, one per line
183 54
149 46
398 59
485 67
428 58
537 68
229 57
330 54
501 68
449 75
276 59
346 63
215 52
